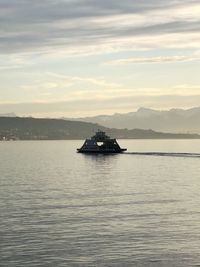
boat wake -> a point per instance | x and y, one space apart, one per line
165 154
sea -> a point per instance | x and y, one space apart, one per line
60 208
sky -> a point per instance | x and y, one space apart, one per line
76 58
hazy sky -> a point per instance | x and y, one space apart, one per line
87 57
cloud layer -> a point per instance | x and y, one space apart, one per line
81 103
59 56
73 25
163 59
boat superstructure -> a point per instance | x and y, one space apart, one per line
100 143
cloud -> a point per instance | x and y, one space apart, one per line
55 82
9 62
82 26
73 79
100 106
84 103
163 59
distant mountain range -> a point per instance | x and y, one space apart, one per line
58 129
173 120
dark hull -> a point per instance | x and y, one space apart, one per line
100 151
100 143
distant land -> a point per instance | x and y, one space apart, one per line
173 120
11 114
16 128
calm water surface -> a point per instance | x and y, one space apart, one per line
60 208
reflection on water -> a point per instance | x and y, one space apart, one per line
61 208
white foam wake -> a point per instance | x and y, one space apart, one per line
165 154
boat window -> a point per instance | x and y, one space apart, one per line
99 143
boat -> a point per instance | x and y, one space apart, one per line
101 143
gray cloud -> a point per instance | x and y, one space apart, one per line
28 25
50 10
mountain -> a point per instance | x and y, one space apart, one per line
174 120
57 129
